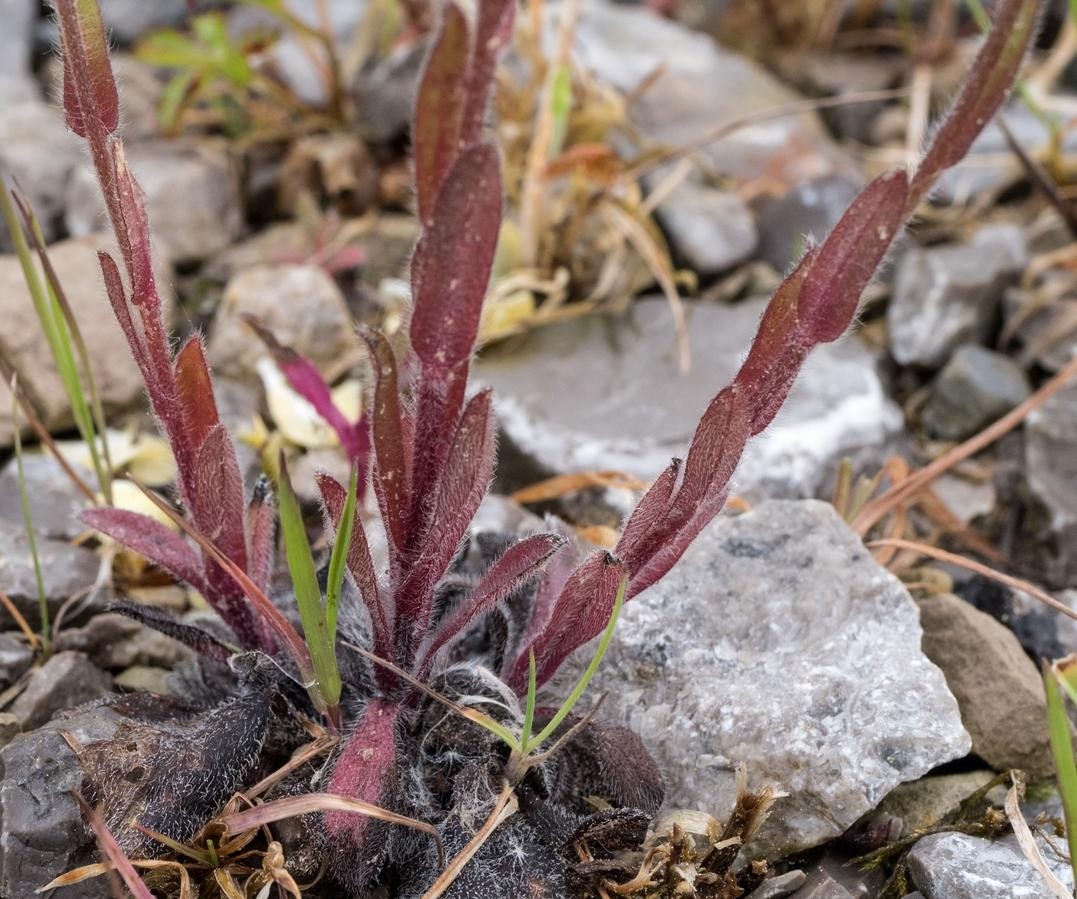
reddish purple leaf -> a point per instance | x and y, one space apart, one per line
360 565
849 257
986 87
365 770
517 565
261 534
194 388
90 97
492 36
583 609
392 446
439 109
150 538
463 483
651 510
456 255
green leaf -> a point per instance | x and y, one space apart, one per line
171 50
307 594
561 107
529 709
1058 725
340 555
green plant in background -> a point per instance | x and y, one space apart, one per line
218 70
1060 683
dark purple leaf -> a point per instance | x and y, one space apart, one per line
90 98
261 534
517 565
582 612
986 87
439 109
360 565
464 480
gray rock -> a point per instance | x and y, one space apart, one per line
780 886
21 337
324 332
976 387
709 230
17 19
997 686
946 296
65 570
822 886
701 85
114 641
42 833
38 151
1051 471
15 658
144 679
128 20
779 643
924 803
55 501
192 198
957 866
810 210
599 394
66 680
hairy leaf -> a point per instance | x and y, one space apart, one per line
581 613
366 769
513 568
150 538
464 480
360 563
986 87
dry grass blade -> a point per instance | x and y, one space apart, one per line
300 757
88 872
564 484
1028 843
9 605
116 856
504 808
1008 580
293 806
658 262
882 505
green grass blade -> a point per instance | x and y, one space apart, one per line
28 523
1058 725
69 336
529 709
340 556
585 679
48 308
307 594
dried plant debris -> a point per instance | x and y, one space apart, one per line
426 684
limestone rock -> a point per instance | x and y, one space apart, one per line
777 642
601 394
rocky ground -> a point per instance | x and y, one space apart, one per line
878 692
